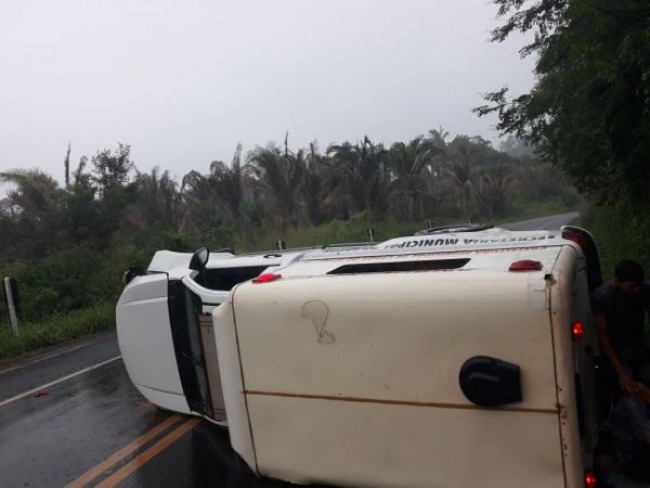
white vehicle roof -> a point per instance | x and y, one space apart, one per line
493 249
176 264
164 261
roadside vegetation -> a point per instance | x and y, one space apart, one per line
68 245
589 111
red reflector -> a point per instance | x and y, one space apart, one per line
590 480
577 330
576 237
525 265
266 278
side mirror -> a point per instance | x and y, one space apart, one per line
200 259
131 273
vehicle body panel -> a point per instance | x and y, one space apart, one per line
165 332
354 379
146 344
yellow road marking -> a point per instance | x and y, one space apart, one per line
146 456
133 446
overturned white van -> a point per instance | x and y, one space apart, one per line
447 360
165 330
164 326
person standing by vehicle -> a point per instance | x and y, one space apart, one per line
620 307
627 432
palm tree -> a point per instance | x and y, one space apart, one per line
83 212
229 183
318 189
34 194
281 173
492 191
158 201
33 207
200 196
366 174
408 162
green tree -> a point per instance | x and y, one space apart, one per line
366 175
229 182
206 213
111 170
83 214
589 111
281 173
157 202
493 189
315 188
33 212
408 163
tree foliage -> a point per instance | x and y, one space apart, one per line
68 246
589 111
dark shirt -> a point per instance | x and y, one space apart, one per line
625 318
629 427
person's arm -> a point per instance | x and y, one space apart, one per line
625 380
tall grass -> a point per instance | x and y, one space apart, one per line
620 234
56 329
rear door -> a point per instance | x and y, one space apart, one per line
356 376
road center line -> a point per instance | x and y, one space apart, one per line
56 382
146 456
133 446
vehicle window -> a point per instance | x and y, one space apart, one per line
226 278
393 267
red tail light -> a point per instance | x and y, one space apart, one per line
576 237
590 480
266 278
577 330
525 265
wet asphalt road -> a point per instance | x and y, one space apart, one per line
543 223
74 419
70 416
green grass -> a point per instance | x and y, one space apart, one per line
356 229
56 329
620 234
336 231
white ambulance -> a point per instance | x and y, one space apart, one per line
448 360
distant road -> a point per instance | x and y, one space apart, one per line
545 223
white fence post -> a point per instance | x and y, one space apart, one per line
13 318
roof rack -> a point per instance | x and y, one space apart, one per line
349 244
269 252
464 227
279 252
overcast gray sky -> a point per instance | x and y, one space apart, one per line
184 82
